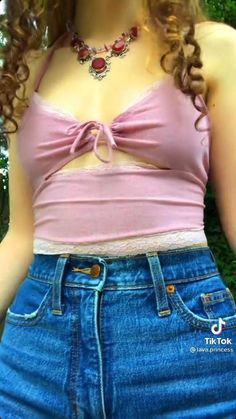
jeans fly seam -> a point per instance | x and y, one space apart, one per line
74 364
97 308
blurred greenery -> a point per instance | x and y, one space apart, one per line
224 11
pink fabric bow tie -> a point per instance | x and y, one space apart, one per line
104 131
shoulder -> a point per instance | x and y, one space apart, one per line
218 45
217 41
215 35
211 28
35 60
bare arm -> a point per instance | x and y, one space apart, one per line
221 44
15 258
16 249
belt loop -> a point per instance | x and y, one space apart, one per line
163 308
57 284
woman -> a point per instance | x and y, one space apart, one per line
115 305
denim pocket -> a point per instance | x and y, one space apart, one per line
219 303
30 302
203 301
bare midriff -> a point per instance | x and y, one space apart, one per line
89 159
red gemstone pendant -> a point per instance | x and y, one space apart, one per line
118 47
98 64
99 67
83 53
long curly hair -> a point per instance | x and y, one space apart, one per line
25 22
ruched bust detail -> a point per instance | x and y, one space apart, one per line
86 206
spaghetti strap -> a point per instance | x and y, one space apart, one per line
46 63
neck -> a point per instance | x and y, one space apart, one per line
105 20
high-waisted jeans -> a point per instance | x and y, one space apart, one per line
134 337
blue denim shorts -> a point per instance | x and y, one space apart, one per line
135 337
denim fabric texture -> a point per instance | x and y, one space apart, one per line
134 337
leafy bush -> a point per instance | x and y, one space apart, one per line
224 11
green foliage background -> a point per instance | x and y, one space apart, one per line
224 11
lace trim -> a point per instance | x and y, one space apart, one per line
108 166
124 247
36 97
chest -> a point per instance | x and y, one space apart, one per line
68 88
67 85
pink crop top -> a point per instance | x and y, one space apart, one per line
109 202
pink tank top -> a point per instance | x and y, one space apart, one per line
115 201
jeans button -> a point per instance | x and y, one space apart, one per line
170 288
95 270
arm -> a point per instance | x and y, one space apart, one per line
221 102
16 249
15 258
